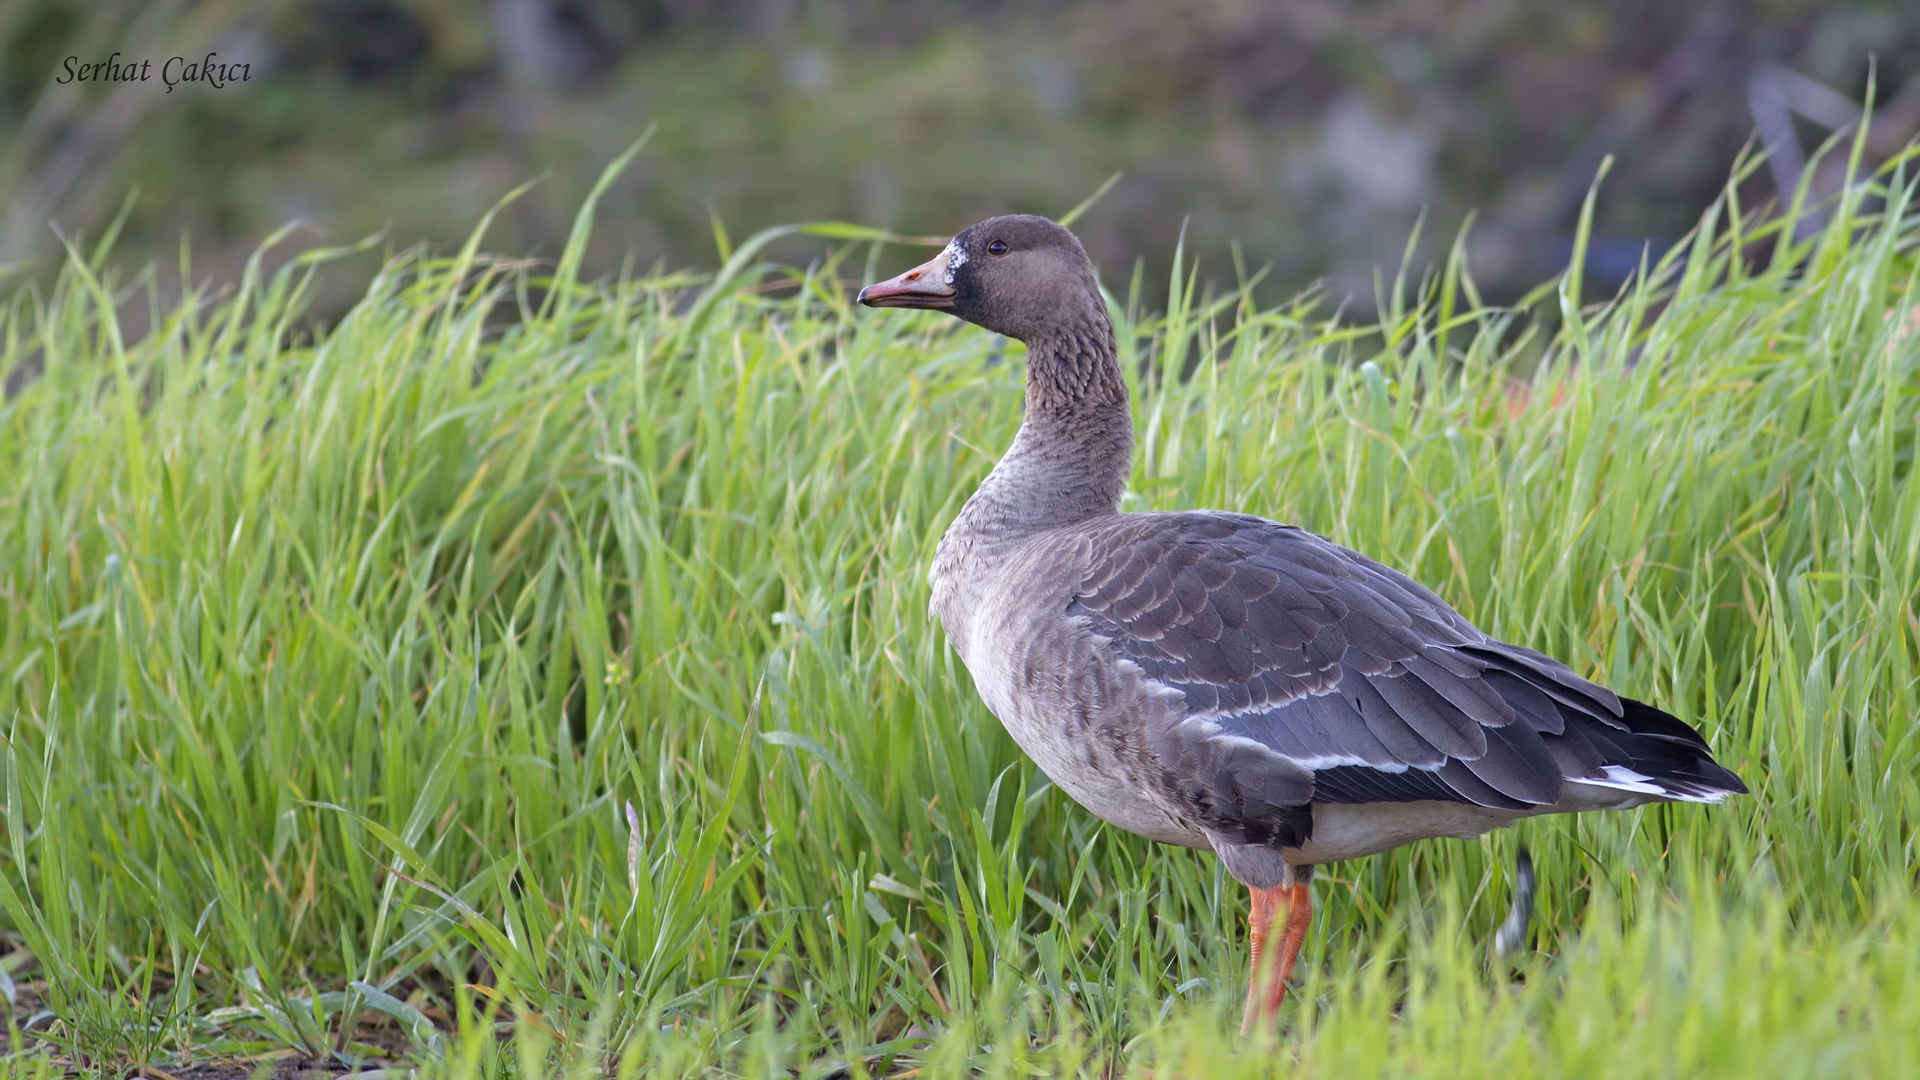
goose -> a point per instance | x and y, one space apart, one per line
1229 683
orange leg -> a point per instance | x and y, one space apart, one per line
1267 986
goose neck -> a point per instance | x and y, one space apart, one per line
1074 450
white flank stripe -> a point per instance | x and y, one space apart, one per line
1621 778
1213 733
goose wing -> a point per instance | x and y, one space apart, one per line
1313 674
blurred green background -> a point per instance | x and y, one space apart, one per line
1311 133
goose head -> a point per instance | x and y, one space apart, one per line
1020 275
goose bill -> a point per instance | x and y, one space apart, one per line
924 286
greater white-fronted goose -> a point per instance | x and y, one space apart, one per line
1223 681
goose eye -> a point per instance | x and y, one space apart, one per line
998 247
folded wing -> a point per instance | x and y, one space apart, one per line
1312 674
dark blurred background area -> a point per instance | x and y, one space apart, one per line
1311 134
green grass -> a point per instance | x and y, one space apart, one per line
547 659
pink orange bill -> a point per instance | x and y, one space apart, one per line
924 286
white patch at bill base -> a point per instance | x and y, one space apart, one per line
956 258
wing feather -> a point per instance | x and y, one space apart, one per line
1430 715
1312 673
